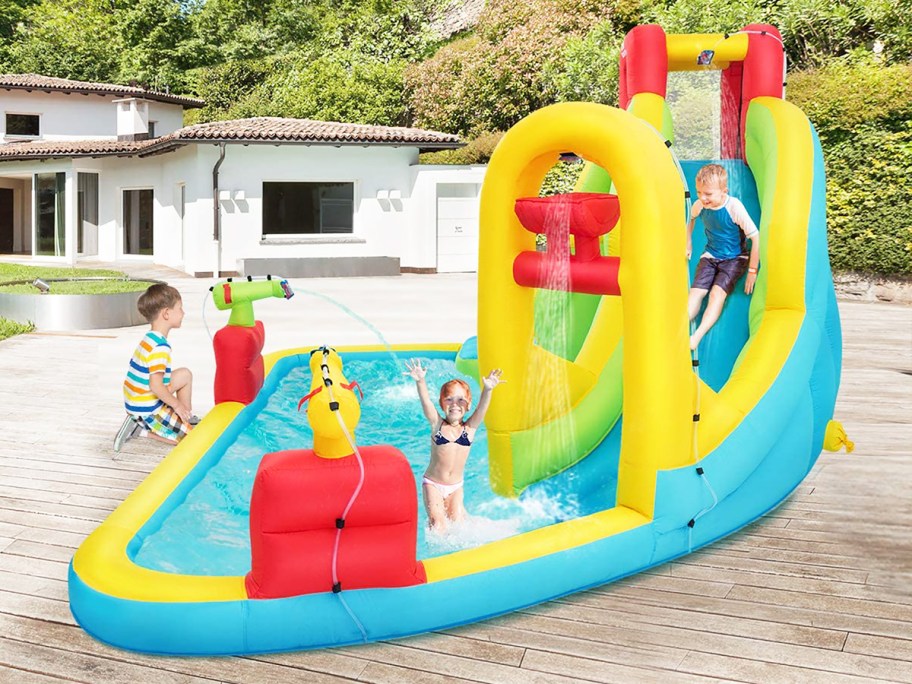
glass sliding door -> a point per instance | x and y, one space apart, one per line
137 222
50 214
87 222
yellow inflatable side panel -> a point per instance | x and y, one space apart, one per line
269 360
783 228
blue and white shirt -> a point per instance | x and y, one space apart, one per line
727 230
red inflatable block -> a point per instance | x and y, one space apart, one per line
643 63
297 498
238 362
595 276
590 214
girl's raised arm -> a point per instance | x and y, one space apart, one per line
490 382
417 374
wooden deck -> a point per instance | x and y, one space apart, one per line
818 591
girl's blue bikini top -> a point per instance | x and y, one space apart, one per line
462 440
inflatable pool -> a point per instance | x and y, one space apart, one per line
700 446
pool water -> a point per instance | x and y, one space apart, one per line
208 533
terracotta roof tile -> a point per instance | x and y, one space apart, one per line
257 130
65 85
69 148
274 129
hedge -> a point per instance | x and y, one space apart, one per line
863 114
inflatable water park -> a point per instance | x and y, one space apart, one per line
290 519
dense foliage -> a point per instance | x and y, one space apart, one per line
492 79
863 114
380 62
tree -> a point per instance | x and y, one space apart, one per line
587 68
69 39
492 79
157 48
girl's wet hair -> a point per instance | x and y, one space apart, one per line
447 386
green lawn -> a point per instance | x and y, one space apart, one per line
9 328
14 272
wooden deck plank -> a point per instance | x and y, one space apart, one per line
28 585
381 673
825 628
761 672
816 591
35 550
722 616
77 647
661 625
398 654
886 647
583 668
800 584
58 478
572 640
835 603
18 676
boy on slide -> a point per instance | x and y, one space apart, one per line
728 227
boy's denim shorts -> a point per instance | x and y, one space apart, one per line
722 272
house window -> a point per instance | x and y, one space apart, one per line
308 208
87 215
50 214
137 222
152 129
25 125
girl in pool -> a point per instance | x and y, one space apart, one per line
451 440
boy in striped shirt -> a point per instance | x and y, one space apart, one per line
157 398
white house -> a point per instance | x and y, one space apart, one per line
107 173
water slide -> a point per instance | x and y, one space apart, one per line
674 455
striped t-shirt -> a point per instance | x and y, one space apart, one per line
152 355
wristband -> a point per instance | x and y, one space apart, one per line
752 270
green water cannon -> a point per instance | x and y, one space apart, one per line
239 295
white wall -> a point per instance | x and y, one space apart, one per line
421 249
167 117
77 117
405 228
380 228
161 174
